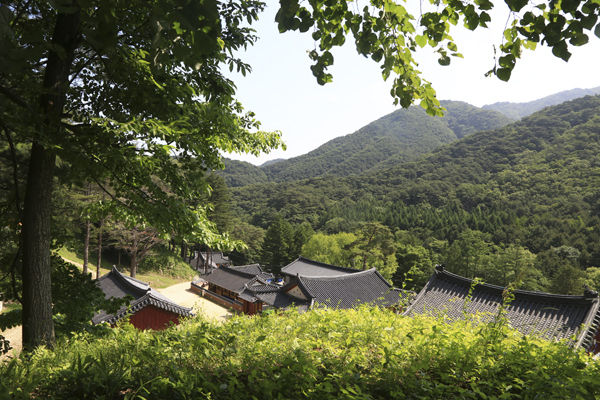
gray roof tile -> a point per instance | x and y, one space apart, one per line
236 278
548 315
351 290
305 267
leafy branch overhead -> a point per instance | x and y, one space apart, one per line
148 107
389 34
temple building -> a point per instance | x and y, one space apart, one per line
306 284
206 262
230 287
550 316
148 308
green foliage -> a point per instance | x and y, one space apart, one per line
277 244
415 266
320 354
253 237
241 173
389 34
519 192
400 136
147 109
330 249
374 247
592 278
76 299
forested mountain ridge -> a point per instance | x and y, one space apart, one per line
520 110
241 173
400 136
535 182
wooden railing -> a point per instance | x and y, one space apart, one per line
217 298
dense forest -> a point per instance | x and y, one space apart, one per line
515 203
400 136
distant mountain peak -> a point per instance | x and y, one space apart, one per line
520 110
271 162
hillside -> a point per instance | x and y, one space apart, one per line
534 182
519 110
402 135
241 173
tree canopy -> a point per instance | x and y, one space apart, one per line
387 32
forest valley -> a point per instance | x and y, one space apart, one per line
518 204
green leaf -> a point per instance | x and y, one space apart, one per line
444 60
516 5
561 51
421 40
503 74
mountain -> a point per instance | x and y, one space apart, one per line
241 173
400 136
520 110
535 182
270 162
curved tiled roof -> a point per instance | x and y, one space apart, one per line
351 290
305 267
116 285
253 269
550 316
236 278
280 299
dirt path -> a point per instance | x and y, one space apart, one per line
182 295
14 337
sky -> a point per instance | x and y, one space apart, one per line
285 96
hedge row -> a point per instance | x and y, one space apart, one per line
367 353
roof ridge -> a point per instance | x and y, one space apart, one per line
527 293
300 258
237 272
127 281
343 276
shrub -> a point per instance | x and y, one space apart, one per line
367 353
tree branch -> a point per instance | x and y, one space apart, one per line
15 98
15 168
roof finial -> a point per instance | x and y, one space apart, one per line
589 293
439 267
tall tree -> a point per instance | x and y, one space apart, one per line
136 240
277 243
116 90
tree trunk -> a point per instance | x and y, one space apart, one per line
86 247
99 249
38 328
133 264
86 240
184 250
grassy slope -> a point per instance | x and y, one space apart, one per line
156 279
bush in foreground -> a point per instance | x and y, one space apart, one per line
322 354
